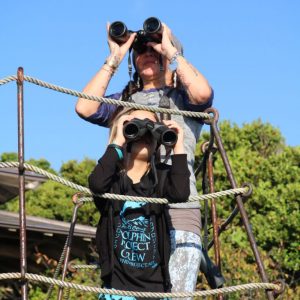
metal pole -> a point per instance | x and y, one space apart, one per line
214 216
22 212
69 244
239 202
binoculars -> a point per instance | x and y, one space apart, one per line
152 32
136 129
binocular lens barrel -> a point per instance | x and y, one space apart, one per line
131 130
152 32
169 138
136 129
118 32
152 25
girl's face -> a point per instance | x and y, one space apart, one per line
145 147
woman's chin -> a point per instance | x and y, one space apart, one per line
149 70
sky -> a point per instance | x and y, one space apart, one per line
248 50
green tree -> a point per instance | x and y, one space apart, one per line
258 155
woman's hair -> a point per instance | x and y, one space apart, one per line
132 87
136 85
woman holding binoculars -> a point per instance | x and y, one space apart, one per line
162 78
133 237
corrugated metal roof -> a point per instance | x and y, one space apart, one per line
10 220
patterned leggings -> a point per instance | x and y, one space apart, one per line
185 260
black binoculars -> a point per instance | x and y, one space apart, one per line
136 129
152 32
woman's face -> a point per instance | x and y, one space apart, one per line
144 147
147 63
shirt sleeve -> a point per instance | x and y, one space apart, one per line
177 185
196 107
104 113
101 178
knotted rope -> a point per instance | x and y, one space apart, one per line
225 290
87 191
106 100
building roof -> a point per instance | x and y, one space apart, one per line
44 238
10 220
9 183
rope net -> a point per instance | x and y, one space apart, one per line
86 191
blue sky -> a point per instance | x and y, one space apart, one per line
248 50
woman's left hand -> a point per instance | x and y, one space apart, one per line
179 146
166 47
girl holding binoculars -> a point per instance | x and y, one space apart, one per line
163 78
133 237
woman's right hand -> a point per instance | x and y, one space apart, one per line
119 138
117 52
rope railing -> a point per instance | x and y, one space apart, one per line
80 267
85 190
83 288
106 100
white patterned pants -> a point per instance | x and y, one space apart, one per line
185 260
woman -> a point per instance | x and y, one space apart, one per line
133 237
184 88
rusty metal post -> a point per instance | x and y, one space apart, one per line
69 243
239 201
214 216
22 212
232 215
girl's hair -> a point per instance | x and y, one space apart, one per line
120 111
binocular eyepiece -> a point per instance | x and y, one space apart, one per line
152 30
136 129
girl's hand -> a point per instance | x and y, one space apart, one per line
117 52
179 146
166 47
119 138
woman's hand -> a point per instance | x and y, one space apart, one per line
179 146
166 47
119 138
117 52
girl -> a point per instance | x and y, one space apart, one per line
133 237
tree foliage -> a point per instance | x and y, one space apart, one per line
53 200
258 155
